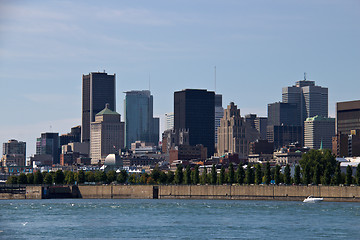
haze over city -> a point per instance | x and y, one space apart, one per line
258 47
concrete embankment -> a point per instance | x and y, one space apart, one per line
235 192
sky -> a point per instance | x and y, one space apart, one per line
257 46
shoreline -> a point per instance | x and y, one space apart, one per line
220 192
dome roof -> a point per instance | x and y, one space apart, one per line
112 160
107 111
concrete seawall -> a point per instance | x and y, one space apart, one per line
244 192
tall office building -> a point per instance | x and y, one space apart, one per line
107 135
48 143
283 127
169 121
219 113
194 110
140 125
261 125
318 132
97 90
311 100
14 153
232 133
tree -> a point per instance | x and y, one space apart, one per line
100 176
12 180
231 178
170 177
316 177
179 175
69 177
267 173
195 175
337 179
213 174
59 177
111 176
297 177
240 174
348 179
38 178
30 178
204 176
357 179
162 178
89 176
249 175
277 175
258 174
155 174
222 176
80 177
326 179
143 178
48 178
122 176
22 179
150 180
307 174
132 178
187 175
287 174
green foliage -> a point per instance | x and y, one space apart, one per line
187 175
38 178
277 175
132 178
122 177
59 177
249 175
12 180
155 174
69 177
111 176
307 174
357 176
337 179
30 178
267 174
287 174
297 176
316 177
89 176
204 177
48 179
326 179
258 174
179 175
348 179
80 177
213 174
195 177
143 178
240 174
222 176
231 174
22 179
162 178
100 176
170 177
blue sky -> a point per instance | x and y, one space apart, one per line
257 46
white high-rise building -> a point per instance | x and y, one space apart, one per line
318 132
169 118
219 113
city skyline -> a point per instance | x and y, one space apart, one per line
257 49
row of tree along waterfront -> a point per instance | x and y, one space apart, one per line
316 167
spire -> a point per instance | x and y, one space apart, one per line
321 145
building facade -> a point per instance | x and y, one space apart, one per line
14 153
318 132
194 110
169 121
48 144
232 133
219 113
107 135
97 90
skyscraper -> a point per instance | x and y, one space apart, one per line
140 125
318 132
169 118
219 113
107 135
311 100
194 110
97 90
14 153
48 143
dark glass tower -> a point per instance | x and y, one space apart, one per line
97 90
194 110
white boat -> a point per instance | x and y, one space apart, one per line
311 199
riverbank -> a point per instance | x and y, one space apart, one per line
231 192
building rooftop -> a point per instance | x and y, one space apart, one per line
107 111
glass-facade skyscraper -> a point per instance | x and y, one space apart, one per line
140 125
98 89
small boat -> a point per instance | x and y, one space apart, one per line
311 199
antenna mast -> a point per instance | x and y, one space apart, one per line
305 76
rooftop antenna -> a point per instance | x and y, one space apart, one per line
215 77
304 76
